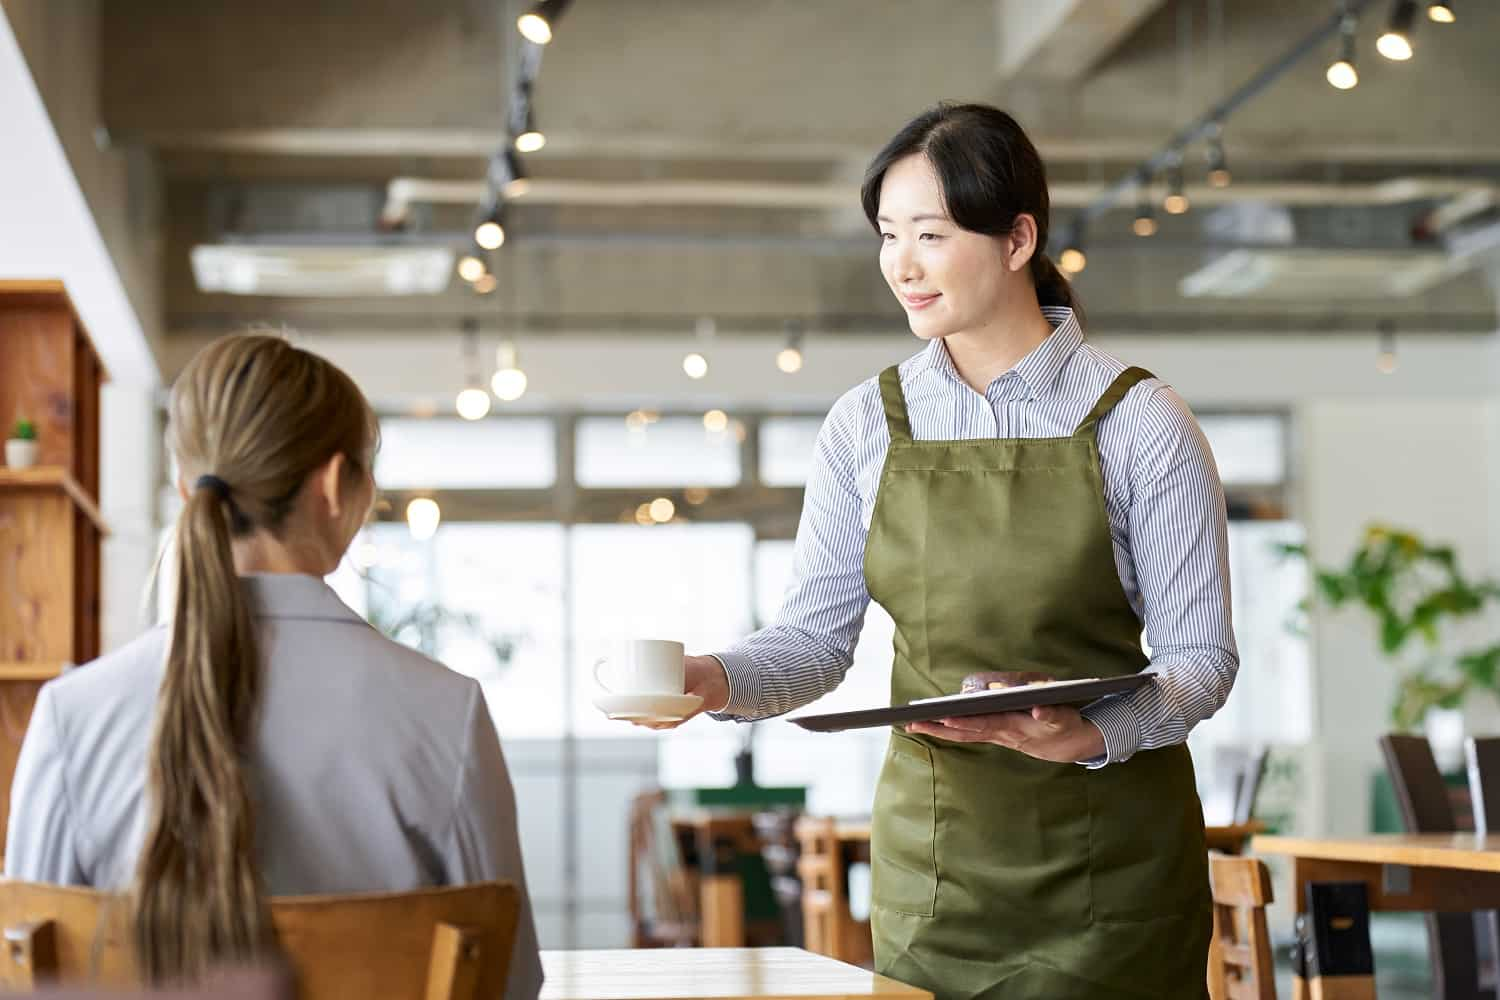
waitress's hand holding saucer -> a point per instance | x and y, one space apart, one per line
1047 732
651 683
704 677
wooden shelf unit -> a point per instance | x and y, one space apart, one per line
51 529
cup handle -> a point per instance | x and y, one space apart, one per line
597 679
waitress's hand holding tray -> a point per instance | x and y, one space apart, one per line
1027 711
1048 732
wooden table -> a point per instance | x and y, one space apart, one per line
711 974
1231 839
1440 872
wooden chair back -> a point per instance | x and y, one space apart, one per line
663 897
441 944
1240 963
823 892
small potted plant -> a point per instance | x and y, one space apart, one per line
20 450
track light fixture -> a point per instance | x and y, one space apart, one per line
1218 162
1176 201
1395 44
1341 72
1145 217
540 22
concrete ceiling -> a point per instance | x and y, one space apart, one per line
309 110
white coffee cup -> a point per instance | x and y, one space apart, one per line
642 666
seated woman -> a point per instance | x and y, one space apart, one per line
267 741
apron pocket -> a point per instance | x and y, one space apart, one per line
903 841
1147 856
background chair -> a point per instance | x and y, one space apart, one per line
663 896
1426 808
444 944
1240 963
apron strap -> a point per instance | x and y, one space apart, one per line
1126 381
895 404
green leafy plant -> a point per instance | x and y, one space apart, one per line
25 431
1413 589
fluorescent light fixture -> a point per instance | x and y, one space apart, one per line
314 272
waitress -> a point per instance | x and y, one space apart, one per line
1023 505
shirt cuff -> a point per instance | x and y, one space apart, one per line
744 688
1121 729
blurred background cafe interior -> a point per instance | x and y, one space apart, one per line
602 293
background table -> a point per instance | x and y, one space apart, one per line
1441 872
711 974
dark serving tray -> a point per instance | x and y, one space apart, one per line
980 703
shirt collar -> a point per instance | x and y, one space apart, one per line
295 595
1039 369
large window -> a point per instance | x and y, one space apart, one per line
506 453
646 450
485 599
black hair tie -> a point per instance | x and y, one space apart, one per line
214 483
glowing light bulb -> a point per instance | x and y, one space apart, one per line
472 404
423 517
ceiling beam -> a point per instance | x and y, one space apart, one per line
399 143
1060 41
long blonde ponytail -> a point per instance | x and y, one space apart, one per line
250 418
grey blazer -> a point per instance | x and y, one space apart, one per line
374 768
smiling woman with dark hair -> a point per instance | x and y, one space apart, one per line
1023 505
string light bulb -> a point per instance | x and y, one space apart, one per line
489 234
470 267
1395 44
423 515
509 381
1145 217
1072 260
1341 72
789 358
695 362
1385 358
1439 12
1218 163
536 25
530 140
472 403
1176 201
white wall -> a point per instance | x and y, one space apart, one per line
1428 464
129 475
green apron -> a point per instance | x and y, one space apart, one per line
996 874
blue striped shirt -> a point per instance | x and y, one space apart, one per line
1166 516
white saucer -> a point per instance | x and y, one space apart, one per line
646 707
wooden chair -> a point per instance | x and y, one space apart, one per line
828 928
256 983
1426 808
441 944
1482 757
1249 785
1240 962
663 897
